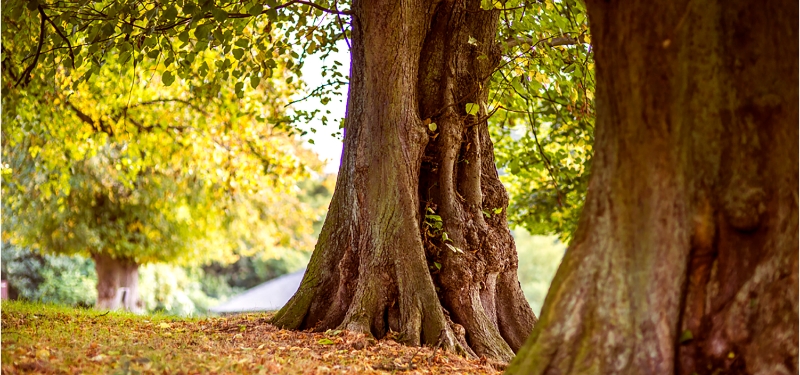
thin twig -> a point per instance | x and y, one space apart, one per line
320 87
341 26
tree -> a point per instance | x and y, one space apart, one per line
416 239
686 255
140 173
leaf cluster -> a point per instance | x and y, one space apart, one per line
543 94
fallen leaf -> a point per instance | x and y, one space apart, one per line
42 354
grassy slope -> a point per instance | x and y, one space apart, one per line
54 339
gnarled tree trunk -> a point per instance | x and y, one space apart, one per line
686 257
117 283
383 262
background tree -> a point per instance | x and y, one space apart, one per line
686 256
140 173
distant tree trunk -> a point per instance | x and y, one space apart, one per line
380 263
117 283
686 257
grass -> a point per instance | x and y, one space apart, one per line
39 338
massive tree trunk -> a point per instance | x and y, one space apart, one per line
686 257
416 239
117 283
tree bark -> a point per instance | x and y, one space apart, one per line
686 256
117 283
382 262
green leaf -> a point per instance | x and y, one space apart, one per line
472 108
325 341
170 13
242 42
686 336
184 36
16 13
437 265
189 8
454 249
432 126
124 57
255 9
167 78
219 14
433 217
238 53
203 31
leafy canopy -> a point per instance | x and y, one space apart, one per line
541 101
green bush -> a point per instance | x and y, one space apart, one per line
33 276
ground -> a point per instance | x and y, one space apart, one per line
40 338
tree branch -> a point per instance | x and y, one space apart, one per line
245 15
326 10
71 54
27 72
98 126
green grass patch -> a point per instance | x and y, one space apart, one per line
41 338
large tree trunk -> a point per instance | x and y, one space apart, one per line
382 261
686 257
117 283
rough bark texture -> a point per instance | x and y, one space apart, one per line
686 257
117 283
374 268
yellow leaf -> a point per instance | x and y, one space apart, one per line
42 354
164 325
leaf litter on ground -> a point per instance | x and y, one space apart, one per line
49 339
